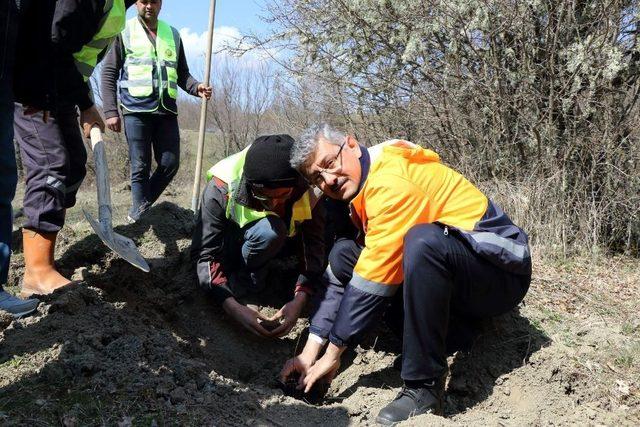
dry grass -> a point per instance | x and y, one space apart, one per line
590 305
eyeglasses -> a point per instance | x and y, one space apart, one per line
331 166
265 198
259 197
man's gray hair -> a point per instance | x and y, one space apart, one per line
305 146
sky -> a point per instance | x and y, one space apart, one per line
191 17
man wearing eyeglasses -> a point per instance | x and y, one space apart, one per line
253 204
433 246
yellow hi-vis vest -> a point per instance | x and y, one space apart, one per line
148 67
111 25
229 170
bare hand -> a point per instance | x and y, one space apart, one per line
30 111
246 316
204 91
89 118
114 123
299 364
326 368
303 361
289 314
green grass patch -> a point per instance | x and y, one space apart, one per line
12 363
629 329
628 357
550 316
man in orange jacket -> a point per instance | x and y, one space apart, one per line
427 232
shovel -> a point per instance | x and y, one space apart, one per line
121 245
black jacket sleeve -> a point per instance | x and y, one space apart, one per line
358 312
75 22
185 79
343 314
325 305
313 249
111 66
32 52
207 246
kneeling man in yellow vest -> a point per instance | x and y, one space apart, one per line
149 62
253 205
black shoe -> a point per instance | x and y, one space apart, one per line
411 402
136 213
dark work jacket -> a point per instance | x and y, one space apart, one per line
53 31
9 21
214 231
346 312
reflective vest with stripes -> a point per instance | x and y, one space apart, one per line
408 185
149 77
110 26
229 170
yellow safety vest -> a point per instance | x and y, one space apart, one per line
150 72
111 25
229 170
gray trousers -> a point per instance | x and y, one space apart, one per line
54 157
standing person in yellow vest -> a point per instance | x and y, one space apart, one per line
148 60
56 55
253 204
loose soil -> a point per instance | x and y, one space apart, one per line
124 347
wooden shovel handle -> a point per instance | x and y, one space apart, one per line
96 136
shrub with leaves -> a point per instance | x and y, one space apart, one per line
539 93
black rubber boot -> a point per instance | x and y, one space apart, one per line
413 401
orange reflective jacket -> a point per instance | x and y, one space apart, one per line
406 185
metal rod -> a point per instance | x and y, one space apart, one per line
195 198
102 178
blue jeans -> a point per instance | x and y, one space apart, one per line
8 173
261 241
146 132
247 253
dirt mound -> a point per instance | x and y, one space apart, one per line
128 347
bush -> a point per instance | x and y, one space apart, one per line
538 96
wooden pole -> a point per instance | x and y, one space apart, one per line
203 112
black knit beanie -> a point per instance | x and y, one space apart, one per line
267 162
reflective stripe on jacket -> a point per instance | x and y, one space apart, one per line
111 25
229 171
408 185
150 71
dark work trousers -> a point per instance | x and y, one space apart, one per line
443 279
442 276
146 132
55 158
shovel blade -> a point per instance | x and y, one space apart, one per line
121 245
